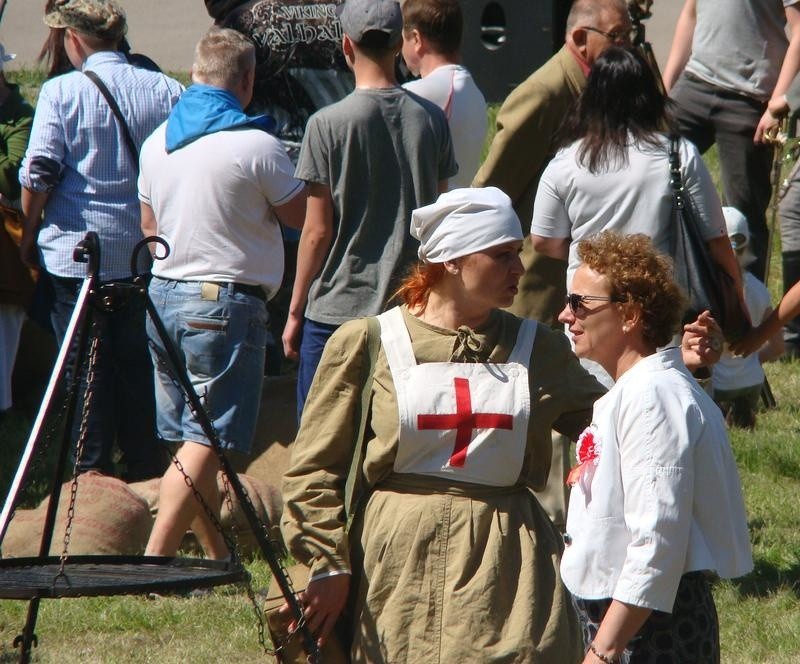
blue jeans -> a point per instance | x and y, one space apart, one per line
122 407
315 336
220 337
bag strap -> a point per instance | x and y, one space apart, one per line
355 478
675 177
126 132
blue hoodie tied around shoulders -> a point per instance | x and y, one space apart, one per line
205 109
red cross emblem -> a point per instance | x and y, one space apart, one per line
464 421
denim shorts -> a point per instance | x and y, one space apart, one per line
221 343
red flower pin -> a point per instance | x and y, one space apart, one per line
588 453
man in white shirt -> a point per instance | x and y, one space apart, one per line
214 184
431 49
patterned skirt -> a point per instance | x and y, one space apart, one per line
688 635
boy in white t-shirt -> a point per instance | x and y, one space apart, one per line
432 49
737 381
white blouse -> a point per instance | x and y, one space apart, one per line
635 197
665 496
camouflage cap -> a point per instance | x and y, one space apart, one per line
103 19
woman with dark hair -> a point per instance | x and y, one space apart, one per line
656 507
53 53
613 169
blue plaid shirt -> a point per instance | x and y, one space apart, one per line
77 153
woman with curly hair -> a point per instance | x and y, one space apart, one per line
656 506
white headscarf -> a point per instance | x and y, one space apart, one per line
463 221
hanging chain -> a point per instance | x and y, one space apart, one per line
257 610
233 544
82 435
212 517
248 585
228 498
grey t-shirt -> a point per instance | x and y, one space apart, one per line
739 45
382 152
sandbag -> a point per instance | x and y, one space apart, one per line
267 502
148 490
110 519
265 498
275 431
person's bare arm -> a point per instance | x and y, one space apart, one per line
788 308
701 343
314 244
554 247
148 224
774 347
33 203
322 603
618 627
681 44
722 255
293 213
789 69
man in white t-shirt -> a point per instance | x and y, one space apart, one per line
214 185
431 49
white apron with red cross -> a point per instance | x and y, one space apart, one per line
465 422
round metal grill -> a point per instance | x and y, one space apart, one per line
88 576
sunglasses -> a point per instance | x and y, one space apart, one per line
615 36
576 300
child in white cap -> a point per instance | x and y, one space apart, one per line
737 381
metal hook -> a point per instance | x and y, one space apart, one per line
141 244
88 251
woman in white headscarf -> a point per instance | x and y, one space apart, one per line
448 557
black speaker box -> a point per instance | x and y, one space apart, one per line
507 40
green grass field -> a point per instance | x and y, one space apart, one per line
759 614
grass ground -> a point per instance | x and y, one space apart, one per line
759 614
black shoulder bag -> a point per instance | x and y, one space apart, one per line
707 285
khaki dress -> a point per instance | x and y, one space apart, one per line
442 571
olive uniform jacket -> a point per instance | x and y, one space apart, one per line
523 145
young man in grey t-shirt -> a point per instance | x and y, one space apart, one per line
369 160
728 59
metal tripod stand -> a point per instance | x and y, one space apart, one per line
47 576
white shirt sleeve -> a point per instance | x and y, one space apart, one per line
550 217
275 172
658 476
700 186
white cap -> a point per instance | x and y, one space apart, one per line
5 57
463 221
738 229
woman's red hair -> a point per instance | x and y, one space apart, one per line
419 282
